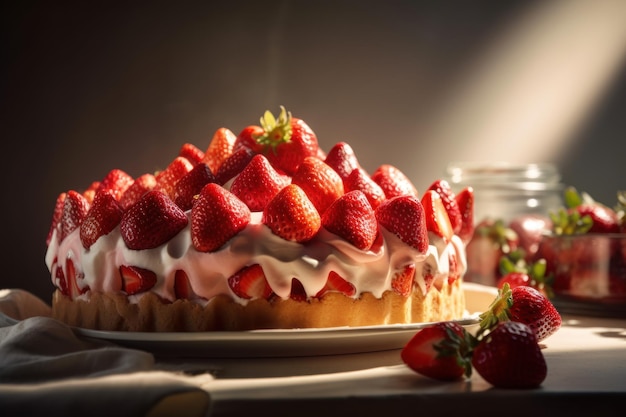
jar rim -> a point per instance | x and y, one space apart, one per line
502 172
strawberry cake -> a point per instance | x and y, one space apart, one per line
261 230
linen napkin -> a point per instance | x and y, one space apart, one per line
47 369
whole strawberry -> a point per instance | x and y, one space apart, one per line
291 215
351 217
216 216
151 221
404 216
258 183
103 216
438 351
319 181
510 357
532 308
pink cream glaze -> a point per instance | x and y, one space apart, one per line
280 259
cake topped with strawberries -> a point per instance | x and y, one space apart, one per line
262 229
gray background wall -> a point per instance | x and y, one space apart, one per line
89 86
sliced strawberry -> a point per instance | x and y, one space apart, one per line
192 153
510 357
342 159
437 351
319 181
250 282
298 292
291 215
216 216
351 217
402 281
220 148
190 185
136 279
336 283
71 280
117 181
465 201
233 165
152 221
404 216
449 202
137 189
75 208
56 216
167 179
437 219
103 216
393 181
182 286
358 179
258 183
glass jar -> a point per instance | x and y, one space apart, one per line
506 191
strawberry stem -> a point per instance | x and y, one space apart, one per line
497 312
276 131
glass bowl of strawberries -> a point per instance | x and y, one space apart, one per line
585 254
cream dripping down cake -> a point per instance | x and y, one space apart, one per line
260 230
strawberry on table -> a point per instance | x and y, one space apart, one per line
404 216
291 215
439 351
216 216
151 221
510 357
352 218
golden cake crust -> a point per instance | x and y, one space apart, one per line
114 312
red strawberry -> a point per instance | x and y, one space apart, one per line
151 221
336 282
137 189
342 159
190 185
136 279
510 357
220 148
404 216
437 351
298 292
291 215
90 192
534 309
75 208
247 138
216 216
56 216
103 216
117 181
68 281
393 181
465 201
402 281
167 179
192 153
182 286
233 165
351 217
319 181
605 219
449 202
250 282
258 183
358 179
285 141
514 279
437 219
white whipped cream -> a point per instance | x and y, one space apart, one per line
281 260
